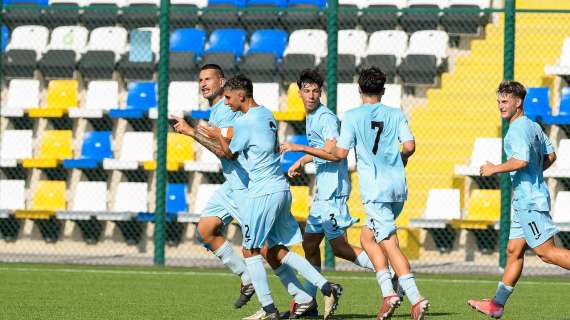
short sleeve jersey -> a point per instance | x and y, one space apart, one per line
376 132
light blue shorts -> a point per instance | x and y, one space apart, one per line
381 218
224 204
330 217
536 227
268 219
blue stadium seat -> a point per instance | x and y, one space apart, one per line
235 3
200 114
141 97
4 38
289 158
315 3
42 3
227 41
188 40
176 198
537 103
96 147
272 41
563 117
267 3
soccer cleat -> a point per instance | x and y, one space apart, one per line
245 294
302 310
272 316
487 307
420 309
389 304
331 301
258 315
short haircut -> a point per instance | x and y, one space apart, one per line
371 81
514 88
240 82
213 66
310 76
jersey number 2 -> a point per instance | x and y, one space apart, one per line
380 126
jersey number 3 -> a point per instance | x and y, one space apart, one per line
380 126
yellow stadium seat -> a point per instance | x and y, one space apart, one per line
61 95
484 210
55 146
294 110
355 206
300 203
179 148
48 198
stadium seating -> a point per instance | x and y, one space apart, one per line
425 58
386 50
267 95
105 47
96 146
100 13
102 96
537 103
184 13
24 12
266 49
465 22
15 146
225 47
54 147
218 14
302 19
176 198
289 158
561 216
62 13
348 13
443 205
140 13
12 198
4 38
25 48
351 48
204 193
62 95
300 202
563 116
65 48
180 148
136 147
259 19
22 94
130 200
205 161
186 47
562 68
561 167
299 56
484 149
383 16
349 97
139 63
294 109
141 98
182 98
413 21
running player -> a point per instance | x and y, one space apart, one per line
377 132
268 219
529 153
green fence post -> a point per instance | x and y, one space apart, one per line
505 180
161 131
332 56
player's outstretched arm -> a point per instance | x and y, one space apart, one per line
323 153
512 164
408 148
549 160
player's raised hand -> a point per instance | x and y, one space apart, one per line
295 169
210 132
487 170
285 147
180 125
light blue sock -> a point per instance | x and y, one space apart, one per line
234 262
306 270
364 261
292 284
503 293
408 283
259 279
385 282
309 288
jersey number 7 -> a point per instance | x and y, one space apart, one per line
380 126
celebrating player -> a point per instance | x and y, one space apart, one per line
529 153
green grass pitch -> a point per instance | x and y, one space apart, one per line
31 291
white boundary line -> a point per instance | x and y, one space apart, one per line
223 274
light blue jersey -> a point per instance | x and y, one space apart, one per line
526 141
255 135
376 132
332 177
222 116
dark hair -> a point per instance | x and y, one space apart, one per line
240 82
310 76
371 81
514 88
213 66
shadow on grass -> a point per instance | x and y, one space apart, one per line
407 316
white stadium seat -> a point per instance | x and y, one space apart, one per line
183 96
108 39
392 96
388 42
563 65
102 95
442 206
90 196
561 210
267 95
136 147
484 149
560 168
206 162
429 42
12 196
204 193
22 94
131 197
299 39
352 42
69 38
398 3
29 38
14 146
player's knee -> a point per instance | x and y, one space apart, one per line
514 251
205 233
